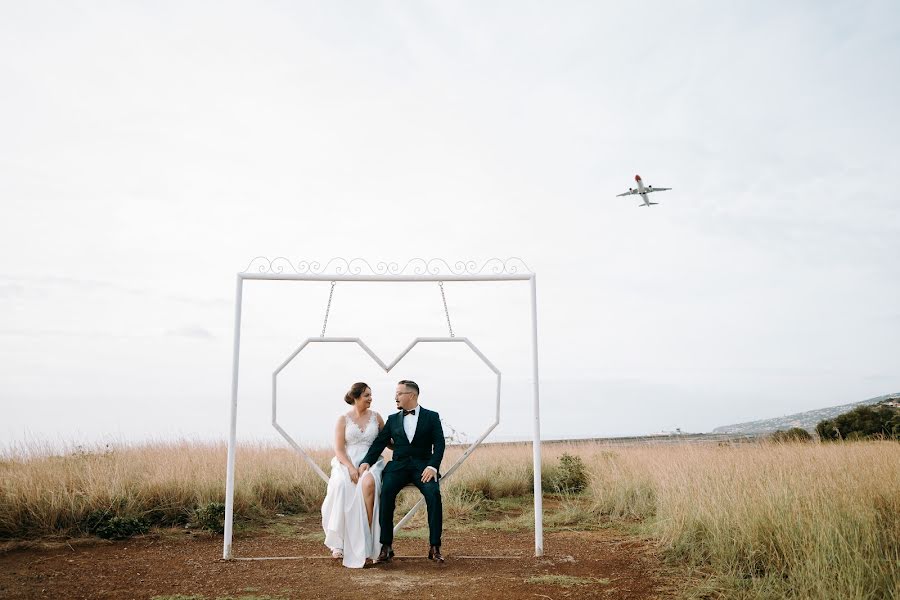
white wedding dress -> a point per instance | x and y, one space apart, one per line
344 511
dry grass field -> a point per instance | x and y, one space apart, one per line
756 520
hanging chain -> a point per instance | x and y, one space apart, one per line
446 312
327 309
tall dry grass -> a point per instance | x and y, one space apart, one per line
42 493
48 494
767 520
771 520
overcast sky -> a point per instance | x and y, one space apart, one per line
148 151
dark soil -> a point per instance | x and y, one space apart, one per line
605 563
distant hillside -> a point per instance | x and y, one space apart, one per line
805 420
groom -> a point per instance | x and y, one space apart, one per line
418 450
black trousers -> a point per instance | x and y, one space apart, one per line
395 480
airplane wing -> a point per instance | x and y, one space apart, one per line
649 189
628 193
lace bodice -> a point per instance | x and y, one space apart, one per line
354 436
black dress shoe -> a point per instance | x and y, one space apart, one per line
434 553
386 554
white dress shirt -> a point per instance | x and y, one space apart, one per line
409 426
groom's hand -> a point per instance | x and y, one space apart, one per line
362 469
428 474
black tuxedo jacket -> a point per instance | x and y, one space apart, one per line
426 449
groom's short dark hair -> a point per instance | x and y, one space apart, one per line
411 385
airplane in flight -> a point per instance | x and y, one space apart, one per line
642 191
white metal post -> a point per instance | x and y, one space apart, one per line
538 494
232 432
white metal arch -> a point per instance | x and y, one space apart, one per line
387 369
434 270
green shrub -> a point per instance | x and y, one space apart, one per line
794 434
568 477
210 516
119 528
109 524
863 422
93 520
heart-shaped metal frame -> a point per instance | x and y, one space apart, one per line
387 368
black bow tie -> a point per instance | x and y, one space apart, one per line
409 412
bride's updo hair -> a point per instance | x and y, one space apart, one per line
356 390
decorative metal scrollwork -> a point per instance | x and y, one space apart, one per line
360 266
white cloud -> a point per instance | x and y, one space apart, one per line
198 333
149 152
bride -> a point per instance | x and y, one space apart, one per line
350 509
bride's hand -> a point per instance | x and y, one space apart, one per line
354 475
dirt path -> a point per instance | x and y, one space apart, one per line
577 564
